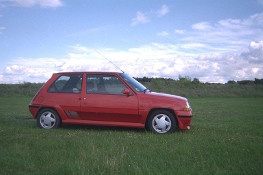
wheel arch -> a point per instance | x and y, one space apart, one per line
156 109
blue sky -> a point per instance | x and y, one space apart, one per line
212 40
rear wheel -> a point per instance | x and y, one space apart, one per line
161 122
48 119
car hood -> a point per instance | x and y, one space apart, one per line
166 95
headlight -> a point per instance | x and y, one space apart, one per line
188 107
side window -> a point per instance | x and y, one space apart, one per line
67 84
104 84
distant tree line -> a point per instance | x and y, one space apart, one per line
256 81
185 79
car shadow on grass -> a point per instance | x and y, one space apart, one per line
102 128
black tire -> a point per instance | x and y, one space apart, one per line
48 119
161 122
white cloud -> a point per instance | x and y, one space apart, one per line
139 19
148 60
152 60
193 45
201 26
230 24
227 35
180 32
163 34
41 3
255 53
163 11
256 45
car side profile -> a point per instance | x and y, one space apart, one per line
108 99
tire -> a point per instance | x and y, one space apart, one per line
161 122
48 119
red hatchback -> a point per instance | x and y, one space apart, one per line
109 99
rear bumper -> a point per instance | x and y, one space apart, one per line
184 119
33 110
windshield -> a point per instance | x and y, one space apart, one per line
137 86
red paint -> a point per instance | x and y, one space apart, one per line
127 109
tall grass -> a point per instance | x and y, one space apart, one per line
24 89
192 89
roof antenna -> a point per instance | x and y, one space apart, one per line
109 60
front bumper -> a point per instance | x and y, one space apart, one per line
184 119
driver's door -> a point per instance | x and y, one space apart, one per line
104 100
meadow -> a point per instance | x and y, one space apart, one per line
226 137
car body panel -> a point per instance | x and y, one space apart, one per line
101 107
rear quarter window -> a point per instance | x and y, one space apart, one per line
67 84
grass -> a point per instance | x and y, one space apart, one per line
226 138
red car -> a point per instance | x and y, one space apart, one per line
109 99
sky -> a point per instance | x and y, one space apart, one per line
212 40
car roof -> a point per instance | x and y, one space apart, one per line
88 73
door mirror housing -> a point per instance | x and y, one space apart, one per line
127 92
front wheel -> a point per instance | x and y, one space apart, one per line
48 119
161 122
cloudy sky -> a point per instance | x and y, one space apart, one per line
212 40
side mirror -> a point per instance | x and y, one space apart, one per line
127 92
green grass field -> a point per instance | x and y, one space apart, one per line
226 138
